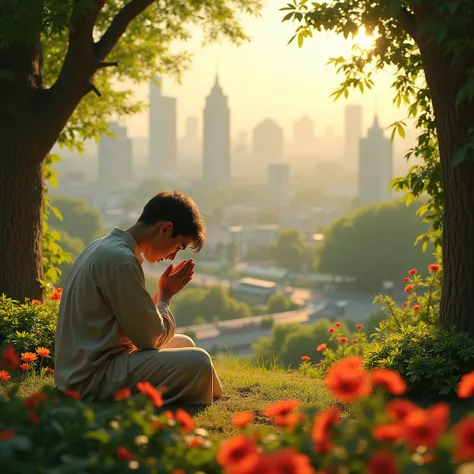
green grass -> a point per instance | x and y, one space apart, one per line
246 388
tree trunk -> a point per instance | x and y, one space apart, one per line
21 217
453 123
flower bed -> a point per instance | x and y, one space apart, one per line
46 433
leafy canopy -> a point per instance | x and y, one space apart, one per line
398 27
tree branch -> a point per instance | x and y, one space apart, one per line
408 23
118 26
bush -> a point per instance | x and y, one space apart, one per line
29 325
431 360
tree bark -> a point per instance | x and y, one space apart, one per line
21 217
453 123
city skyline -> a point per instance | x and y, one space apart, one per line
268 78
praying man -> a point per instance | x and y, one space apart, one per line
111 333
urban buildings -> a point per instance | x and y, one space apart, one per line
375 166
278 184
216 142
267 143
162 134
352 135
115 157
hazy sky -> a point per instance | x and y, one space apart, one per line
267 77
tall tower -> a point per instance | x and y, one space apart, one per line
162 133
115 157
216 144
352 135
375 166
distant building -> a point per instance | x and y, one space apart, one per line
375 166
162 133
255 291
216 143
278 184
115 157
267 143
352 135
189 145
304 141
253 237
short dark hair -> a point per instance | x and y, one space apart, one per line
181 211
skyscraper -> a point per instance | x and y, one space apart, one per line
162 133
115 157
352 135
267 142
216 145
375 166
303 144
278 184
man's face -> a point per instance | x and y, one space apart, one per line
162 245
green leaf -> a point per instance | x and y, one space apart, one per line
99 435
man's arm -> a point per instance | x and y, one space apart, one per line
146 325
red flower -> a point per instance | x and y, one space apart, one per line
50 370
416 307
388 432
434 267
399 409
343 339
242 419
72 394
305 358
42 351
123 394
28 356
464 434
466 385
382 463
281 408
390 380
359 327
338 325
413 271
36 302
406 279
55 296
287 461
354 341
5 435
33 401
238 453
10 358
151 392
184 419
323 423
347 381
25 366
4 376
424 427
405 304
322 347
124 454
331 330
408 288
34 418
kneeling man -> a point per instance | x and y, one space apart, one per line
111 333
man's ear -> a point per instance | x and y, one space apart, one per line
166 228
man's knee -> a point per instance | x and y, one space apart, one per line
181 340
201 359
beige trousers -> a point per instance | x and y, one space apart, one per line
185 370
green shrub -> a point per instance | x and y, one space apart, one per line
28 326
429 359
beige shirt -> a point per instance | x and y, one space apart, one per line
105 310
